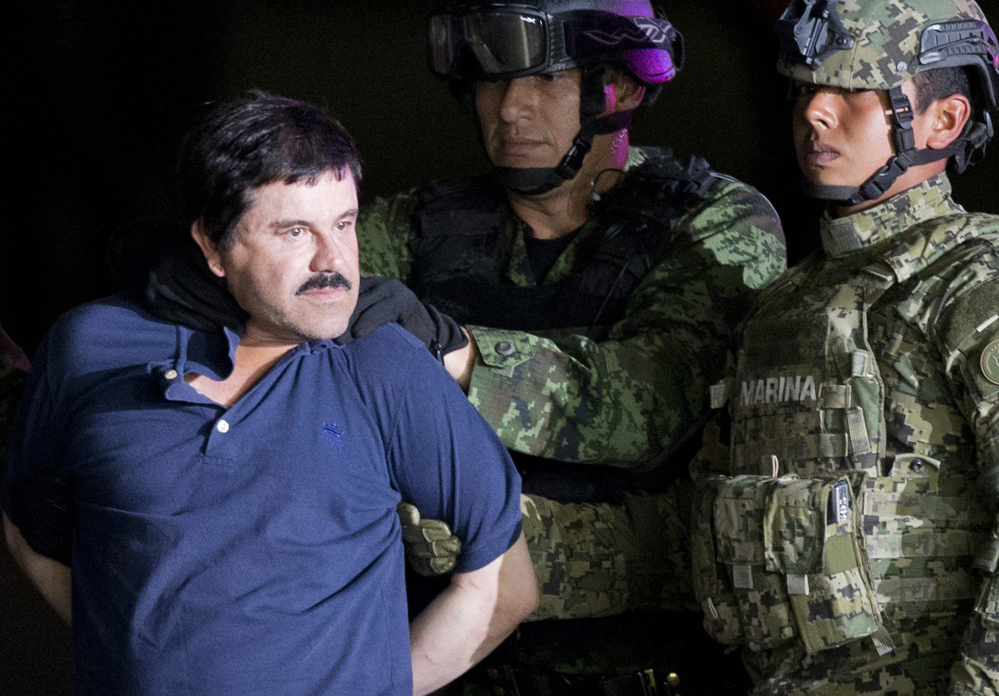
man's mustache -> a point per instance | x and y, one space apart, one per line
324 280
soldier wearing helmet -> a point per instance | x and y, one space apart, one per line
847 540
599 284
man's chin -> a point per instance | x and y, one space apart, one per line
327 332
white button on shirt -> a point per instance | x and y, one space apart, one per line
222 426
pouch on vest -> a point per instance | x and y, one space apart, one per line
810 538
793 555
739 511
712 586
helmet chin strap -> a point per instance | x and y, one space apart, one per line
907 156
536 181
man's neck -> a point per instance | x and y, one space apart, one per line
564 209
253 359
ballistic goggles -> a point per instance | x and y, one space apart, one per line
489 42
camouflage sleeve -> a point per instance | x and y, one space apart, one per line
384 236
601 559
969 341
625 400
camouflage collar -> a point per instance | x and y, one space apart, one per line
863 230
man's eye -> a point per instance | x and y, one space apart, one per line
344 224
296 232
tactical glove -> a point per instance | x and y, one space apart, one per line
162 264
430 546
182 290
384 300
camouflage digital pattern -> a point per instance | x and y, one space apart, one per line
624 400
621 401
600 559
884 42
849 544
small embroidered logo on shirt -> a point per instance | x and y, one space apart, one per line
332 435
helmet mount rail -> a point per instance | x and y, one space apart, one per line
815 35
963 43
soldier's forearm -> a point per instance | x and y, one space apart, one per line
598 559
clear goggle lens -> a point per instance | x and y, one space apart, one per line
486 44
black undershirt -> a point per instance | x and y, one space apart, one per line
543 253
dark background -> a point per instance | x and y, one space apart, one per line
97 95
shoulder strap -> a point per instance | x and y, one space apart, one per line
468 206
659 191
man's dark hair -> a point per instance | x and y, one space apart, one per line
941 83
253 142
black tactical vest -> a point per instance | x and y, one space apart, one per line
463 248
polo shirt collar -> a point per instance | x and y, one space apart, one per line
209 353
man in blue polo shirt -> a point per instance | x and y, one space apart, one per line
215 510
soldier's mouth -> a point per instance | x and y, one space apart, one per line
819 154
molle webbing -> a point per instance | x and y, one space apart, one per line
463 249
807 416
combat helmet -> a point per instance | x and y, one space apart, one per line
473 41
879 44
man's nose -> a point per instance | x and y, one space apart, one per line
821 108
519 98
327 255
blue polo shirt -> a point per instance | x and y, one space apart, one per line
254 549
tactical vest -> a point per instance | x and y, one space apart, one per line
463 249
463 244
803 543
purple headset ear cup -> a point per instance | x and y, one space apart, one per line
650 65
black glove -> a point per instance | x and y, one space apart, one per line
182 290
384 300
166 268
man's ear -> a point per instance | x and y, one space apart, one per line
948 117
208 248
628 92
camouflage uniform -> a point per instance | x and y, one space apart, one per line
844 545
619 399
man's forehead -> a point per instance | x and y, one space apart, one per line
332 192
